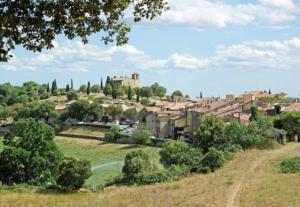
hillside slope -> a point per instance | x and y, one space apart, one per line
251 179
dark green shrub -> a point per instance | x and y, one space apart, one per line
72 95
136 164
291 165
73 173
212 160
141 135
113 135
180 153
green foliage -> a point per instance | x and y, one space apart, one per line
72 19
95 88
107 90
129 94
209 133
73 173
30 148
212 160
290 122
141 135
72 95
145 102
114 111
136 163
83 88
146 92
88 89
291 165
83 111
113 135
43 111
130 114
158 90
177 93
54 88
180 153
254 113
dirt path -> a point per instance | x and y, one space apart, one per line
108 164
234 191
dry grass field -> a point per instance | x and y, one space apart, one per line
250 179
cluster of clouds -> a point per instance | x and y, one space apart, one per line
216 13
77 57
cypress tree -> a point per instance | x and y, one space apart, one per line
72 84
201 95
129 93
270 91
107 80
67 88
138 96
54 87
101 85
88 89
48 88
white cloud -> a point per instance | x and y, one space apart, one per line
76 57
208 13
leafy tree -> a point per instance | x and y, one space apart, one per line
270 91
88 89
95 88
30 148
107 90
212 160
44 111
67 88
113 134
130 114
141 135
82 111
119 92
232 134
289 121
177 93
201 96
72 95
146 91
35 24
114 111
254 113
73 173
180 153
83 88
158 90
136 163
209 132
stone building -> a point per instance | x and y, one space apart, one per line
133 82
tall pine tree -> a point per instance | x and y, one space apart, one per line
107 80
72 87
88 89
101 85
67 88
54 87
129 93
138 95
48 88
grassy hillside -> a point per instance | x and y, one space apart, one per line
251 179
86 130
107 159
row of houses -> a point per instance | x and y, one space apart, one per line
173 119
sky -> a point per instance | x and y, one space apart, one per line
213 46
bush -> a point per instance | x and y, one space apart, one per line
113 135
72 95
291 165
31 152
141 135
73 173
212 160
136 164
180 153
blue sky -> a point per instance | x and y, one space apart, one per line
216 47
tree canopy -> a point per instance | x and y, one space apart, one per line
35 24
